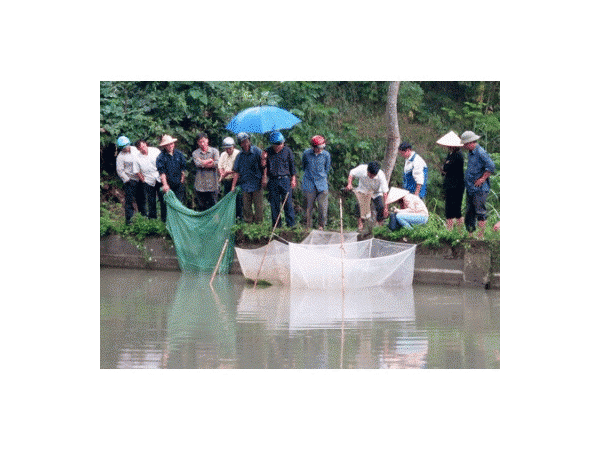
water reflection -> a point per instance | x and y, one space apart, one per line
133 313
176 320
463 326
335 324
201 326
300 309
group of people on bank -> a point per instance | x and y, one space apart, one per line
149 172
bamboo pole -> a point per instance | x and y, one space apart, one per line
270 238
219 261
342 242
343 288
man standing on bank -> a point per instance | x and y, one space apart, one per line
316 164
171 166
150 178
479 168
415 171
228 156
206 184
280 178
248 170
128 169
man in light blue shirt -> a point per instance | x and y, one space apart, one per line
316 164
479 168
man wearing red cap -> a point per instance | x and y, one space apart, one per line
316 164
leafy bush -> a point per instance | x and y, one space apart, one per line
253 231
107 226
112 221
109 219
473 116
432 234
410 98
141 227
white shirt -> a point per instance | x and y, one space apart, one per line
417 167
413 205
376 186
147 165
226 162
128 165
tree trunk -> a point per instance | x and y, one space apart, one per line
393 131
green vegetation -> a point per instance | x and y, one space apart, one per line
351 116
432 234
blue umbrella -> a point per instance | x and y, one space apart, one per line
262 119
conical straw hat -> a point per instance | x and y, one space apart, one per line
395 194
450 139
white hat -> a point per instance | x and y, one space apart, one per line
450 139
395 194
228 142
468 136
166 140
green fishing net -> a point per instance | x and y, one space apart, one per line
199 237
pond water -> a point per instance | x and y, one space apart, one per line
164 320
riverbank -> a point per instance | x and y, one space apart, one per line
472 265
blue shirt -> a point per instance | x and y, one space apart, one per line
316 167
478 163
280 164
247 165
171 165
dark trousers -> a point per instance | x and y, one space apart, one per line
475 209
379 207
454 198
238 201
205 200
151 193
134 192
179 191
278 188
161 202
253 198
322 199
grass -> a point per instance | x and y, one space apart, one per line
112 221
432 234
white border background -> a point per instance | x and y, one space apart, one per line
55 57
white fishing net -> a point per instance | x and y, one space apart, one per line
372 262
273 262
351 265
316 237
